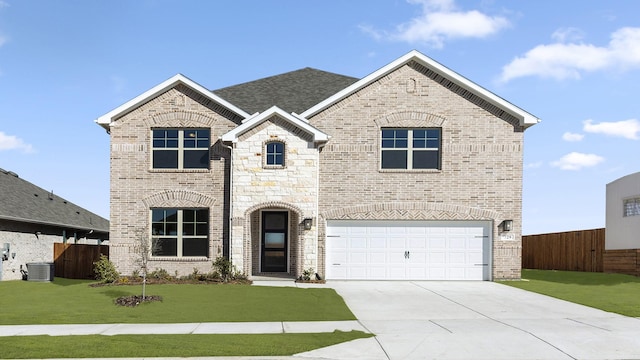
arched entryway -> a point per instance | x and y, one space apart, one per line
274 236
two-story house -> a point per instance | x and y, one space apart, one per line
412 172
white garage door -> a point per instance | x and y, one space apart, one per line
408 250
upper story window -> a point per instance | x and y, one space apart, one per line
179 232
181 148
411 149
274 152
632 207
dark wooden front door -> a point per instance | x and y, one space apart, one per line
274 241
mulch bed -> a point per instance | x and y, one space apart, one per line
135 300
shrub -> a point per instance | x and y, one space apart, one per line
306 274
105 270
160 274
224 270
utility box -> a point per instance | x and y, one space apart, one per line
40 271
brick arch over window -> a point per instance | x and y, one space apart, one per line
180 118
179 198
410 119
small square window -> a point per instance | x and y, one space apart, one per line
274 153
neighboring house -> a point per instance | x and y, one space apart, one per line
33 219
623 213
413 172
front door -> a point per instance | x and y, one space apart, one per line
274 241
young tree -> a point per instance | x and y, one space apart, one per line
143 249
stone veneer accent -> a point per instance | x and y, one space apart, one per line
257 187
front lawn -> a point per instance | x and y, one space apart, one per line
616 293
147 346
65 301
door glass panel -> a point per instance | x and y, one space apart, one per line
274 240
275 221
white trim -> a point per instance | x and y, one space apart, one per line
106 120
526 119
258 118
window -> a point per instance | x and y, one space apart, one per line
181 149
180 232
632 207
274 153
411 149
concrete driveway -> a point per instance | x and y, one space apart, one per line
477 320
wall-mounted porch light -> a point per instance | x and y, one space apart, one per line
307 223
506 225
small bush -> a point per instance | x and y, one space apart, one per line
160 274
105 270
224 270
307 274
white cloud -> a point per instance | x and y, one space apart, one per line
577 161
440 21
11 142
569 136
567 34
534 165
628 129
562 60
3 4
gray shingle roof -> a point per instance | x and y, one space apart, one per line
22 201
295 91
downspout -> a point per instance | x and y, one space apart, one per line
318 212
230 147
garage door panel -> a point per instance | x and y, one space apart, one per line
417 250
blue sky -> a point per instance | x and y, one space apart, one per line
573 63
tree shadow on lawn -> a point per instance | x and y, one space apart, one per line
579 278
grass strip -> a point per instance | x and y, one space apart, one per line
616 293
65 301
127 346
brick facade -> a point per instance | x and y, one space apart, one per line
136 187
480 176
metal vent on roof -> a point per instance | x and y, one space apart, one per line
12 173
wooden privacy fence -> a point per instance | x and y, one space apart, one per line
75 261
573 250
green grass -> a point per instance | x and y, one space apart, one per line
65 301
616 293
96 346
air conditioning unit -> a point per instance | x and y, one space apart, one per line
40 271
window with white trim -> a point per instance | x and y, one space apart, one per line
179 232
411 149
181 148
274 153
631 207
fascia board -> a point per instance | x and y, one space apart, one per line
232 136
106 119
526 119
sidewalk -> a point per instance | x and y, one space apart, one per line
190 328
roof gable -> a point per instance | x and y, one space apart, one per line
294 91
23 201
257 119
106 119
526 119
